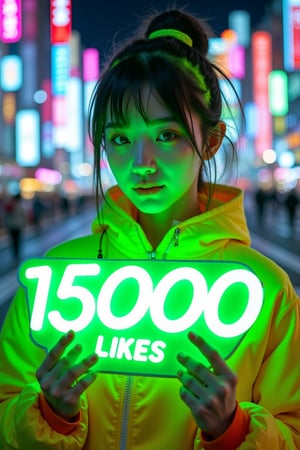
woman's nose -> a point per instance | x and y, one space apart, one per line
144 163
143 169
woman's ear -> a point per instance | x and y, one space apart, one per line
215 139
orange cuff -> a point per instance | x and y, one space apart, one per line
233 436
58 424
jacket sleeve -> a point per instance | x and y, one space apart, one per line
22 425
275 410
275 414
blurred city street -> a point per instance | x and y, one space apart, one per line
273 237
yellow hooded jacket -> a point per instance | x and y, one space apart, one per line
144 413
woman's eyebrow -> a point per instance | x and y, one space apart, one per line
150 121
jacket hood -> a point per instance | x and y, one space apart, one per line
199 236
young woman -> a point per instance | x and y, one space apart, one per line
156 113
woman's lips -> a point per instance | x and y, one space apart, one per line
148 190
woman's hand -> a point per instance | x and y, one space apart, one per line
209 393
62 381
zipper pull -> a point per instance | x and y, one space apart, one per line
174 241
176 237
152 254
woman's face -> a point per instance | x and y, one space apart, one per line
153 162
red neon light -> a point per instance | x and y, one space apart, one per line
60 21
262 66
46 107
295 19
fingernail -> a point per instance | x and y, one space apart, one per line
192 335
93 358
70 334
196 338
181 356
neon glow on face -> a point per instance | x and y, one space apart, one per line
153 162
164 300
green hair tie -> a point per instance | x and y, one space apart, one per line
170 32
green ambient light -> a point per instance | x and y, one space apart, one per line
136 314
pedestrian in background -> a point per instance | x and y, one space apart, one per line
15 223
261 200
37 211
156 112
291 203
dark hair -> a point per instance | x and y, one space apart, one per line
163 63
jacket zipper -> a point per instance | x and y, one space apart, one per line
174 241
129 381
125 413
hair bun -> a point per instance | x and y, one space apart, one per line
196 28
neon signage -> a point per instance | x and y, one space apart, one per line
278 92
27 137
262 66
61 21
136 314
90 64
60 68
11 72
10 21
291 34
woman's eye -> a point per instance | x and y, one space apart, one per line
167 136
119 140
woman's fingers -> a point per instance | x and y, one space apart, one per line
55 354
217 363
84 383
198 378
62 380
73 374
63 364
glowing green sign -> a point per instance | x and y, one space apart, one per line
136 314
